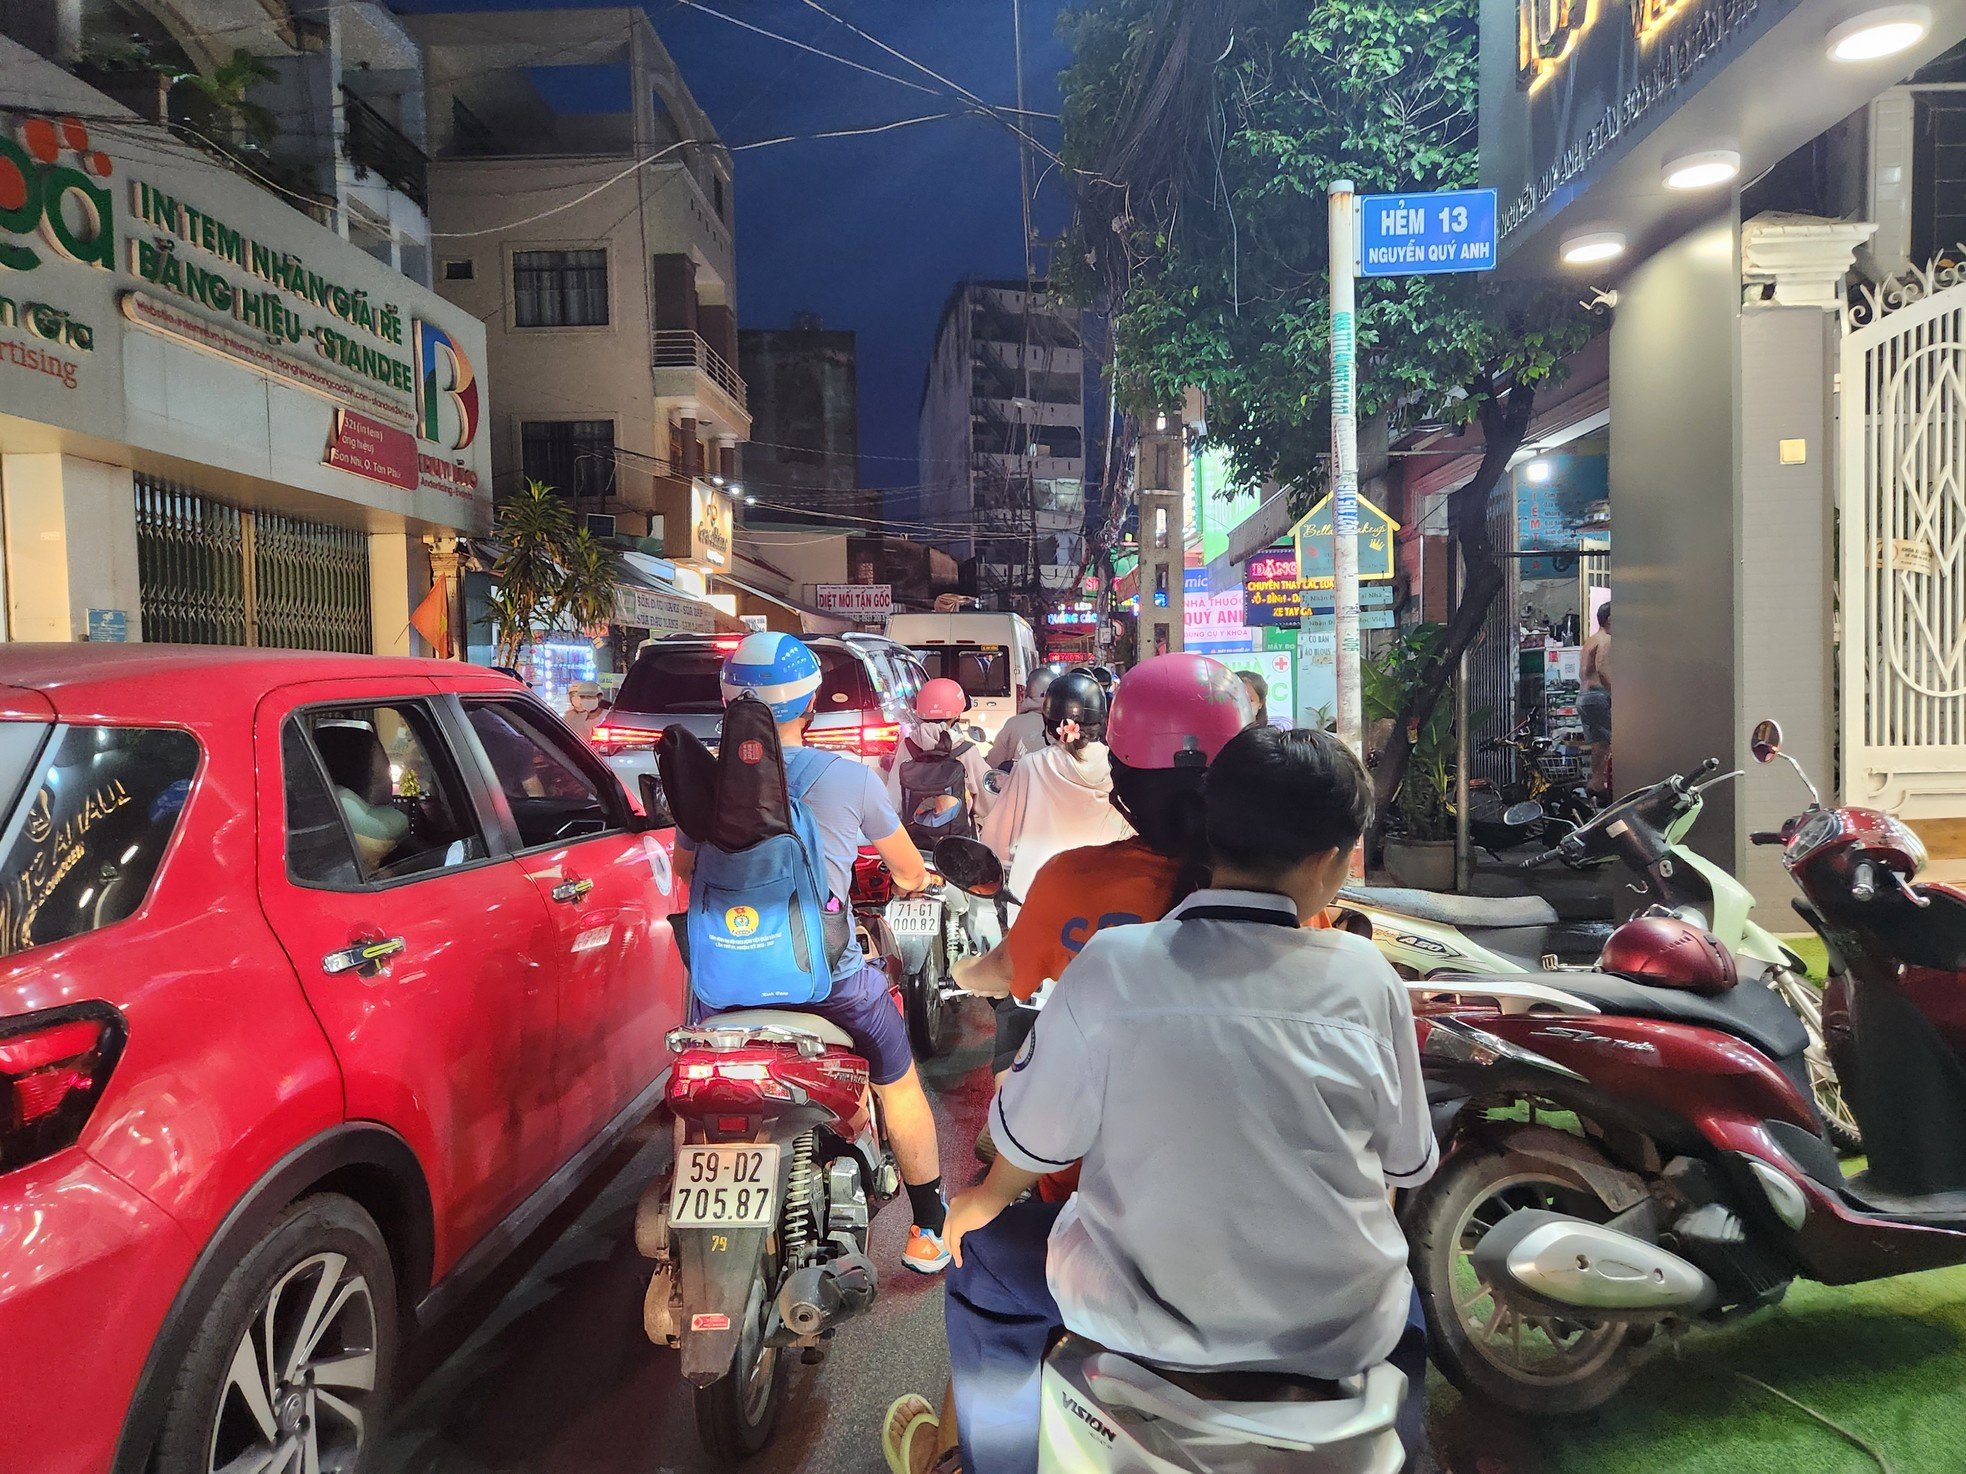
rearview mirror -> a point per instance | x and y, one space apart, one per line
970 865
1766 741
655 804
1522 815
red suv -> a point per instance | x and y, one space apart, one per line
322 980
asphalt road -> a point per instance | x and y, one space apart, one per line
549 1372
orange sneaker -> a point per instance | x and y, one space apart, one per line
926 1253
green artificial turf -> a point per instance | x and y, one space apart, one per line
1886 1361
1809 947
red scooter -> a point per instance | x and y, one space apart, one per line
1630 1156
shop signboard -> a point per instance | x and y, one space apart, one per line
855 601
710 526
1278 668
1317 674
1211 621
660 613
109 626
153 300
1571 86
1315 545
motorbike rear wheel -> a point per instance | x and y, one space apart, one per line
1536 1365
737 1414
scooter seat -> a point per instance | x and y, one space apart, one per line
779 1018
1478 912
1749 1011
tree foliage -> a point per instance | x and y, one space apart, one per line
550 573
1204 135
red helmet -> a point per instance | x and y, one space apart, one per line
1175 711
941 700
1669 953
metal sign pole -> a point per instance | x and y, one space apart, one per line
1344 460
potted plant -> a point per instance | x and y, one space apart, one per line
1419 831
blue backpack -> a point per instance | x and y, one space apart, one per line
760 930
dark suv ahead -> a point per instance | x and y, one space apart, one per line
868 688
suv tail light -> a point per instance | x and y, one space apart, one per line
53 1069
612 739
869 739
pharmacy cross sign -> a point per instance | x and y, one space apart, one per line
1426 234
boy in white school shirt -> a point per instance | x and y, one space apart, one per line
1241 1093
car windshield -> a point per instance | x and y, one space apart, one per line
981 670
684 678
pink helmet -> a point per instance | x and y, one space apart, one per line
1175 711
941 700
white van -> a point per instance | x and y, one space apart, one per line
991 656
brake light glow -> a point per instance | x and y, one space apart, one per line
53 1069
606 736
869 739
727 643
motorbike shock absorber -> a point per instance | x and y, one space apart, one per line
798 1213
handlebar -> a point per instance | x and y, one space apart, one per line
1543 859
1767 836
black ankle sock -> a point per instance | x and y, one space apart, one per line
926 1199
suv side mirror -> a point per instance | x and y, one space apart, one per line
655 804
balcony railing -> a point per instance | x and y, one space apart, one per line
679 348
374 143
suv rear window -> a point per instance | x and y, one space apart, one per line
683 678
92 812
981 670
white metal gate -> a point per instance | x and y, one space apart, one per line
1902 546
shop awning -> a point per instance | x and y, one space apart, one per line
811 621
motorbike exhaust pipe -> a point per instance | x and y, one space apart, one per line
1553 1264
819 1296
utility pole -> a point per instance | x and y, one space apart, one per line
1033 572
1344 469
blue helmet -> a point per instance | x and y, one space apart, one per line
776 668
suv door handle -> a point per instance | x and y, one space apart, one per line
365 958
571 891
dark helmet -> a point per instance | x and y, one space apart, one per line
1078 697
1666 952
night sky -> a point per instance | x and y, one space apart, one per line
871 233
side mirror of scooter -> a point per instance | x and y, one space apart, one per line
993 780
970 865
1766 741
1524 814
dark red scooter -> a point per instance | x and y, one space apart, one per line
1629 1157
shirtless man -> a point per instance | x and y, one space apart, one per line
1594 702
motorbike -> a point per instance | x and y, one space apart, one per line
1426 935
921 938
1630 1160
759 1230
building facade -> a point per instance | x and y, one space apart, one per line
1767 190
221 419
802 463
1002 441
606 286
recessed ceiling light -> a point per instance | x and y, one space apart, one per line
1702 170
1593 246
1885 31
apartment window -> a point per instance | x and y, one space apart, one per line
464 270
1938 172
574 457
560 289
723 200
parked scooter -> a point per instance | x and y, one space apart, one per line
1663 1165
759 1231
920 939
1426 935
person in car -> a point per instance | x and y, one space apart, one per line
850 805
1212 1230
358 766
1023 734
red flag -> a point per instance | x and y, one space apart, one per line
432 619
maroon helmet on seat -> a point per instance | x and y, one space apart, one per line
1665 952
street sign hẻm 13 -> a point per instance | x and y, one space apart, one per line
1423 234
